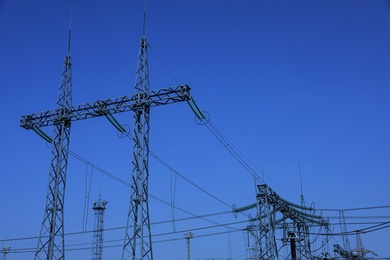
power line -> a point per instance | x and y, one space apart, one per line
370 229
356 209
242 159
26 250
127 184
118 228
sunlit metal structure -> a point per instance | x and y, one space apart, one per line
51 245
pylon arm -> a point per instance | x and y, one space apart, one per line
107 107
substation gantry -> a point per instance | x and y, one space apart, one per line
137 242
274 213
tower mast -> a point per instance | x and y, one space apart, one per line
140 239
51 243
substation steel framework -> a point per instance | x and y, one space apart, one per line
268 204
51 243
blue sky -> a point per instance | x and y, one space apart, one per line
288 83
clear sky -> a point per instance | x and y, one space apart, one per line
288 83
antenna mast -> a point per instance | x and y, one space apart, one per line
300 181
99 207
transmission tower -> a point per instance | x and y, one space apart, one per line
97 249
61 118
51 239
138 215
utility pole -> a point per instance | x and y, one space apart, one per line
97 249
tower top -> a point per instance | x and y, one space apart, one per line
99 205
70 26
144 24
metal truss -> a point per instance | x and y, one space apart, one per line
269 204
109 106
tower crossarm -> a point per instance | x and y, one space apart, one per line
107 106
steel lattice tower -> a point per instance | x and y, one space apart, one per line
97 250
51 240
267 243
138 215
53 220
